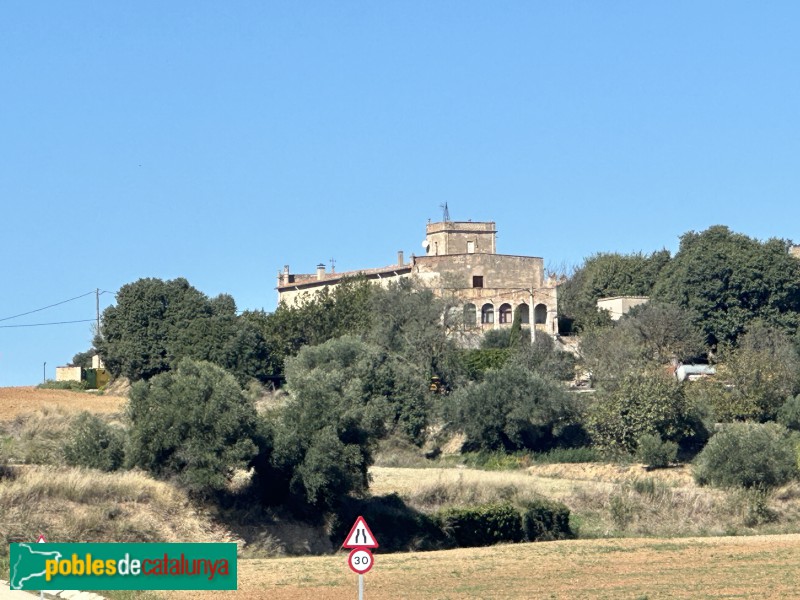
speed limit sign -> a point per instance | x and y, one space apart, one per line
360 560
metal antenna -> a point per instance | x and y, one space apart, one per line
333 265
445 212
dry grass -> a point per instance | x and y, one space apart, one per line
697 568
15 401
78 505
605 500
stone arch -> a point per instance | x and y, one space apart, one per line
487 314
540 314
505 313
524 314
470 315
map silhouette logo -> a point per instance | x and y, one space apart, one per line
27 564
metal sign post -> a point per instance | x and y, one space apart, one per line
41 540
360 560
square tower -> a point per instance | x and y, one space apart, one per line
460 237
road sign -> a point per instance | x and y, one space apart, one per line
360 536
360 560
41 539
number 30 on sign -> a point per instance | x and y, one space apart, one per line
360 560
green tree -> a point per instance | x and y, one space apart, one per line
156 323
641 403
664 332
511 408
332 312
758 376
751 455
605 275
192 423
726 280
325 434
84 359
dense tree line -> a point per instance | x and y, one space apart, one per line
723 280
361 363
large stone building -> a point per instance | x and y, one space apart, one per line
460 260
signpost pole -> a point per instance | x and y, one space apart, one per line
360 587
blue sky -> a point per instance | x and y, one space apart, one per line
218 141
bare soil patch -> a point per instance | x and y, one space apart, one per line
15 401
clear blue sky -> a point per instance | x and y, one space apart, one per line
218 141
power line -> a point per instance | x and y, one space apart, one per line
30 312
43 324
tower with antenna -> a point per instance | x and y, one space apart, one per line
445 213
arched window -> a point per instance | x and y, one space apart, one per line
487 314
505 313
540 314
524 314
470 315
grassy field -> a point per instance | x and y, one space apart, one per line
752 567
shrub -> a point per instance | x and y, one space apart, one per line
192 423
544 521
656 453
640 403
398 526
789 413
482 525
95 444
512 409
750 455
74 386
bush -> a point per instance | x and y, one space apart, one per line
656 453
482 525
398 527
639 404
73 386
750 455
512 409
95 444
544 521
192 423
789 413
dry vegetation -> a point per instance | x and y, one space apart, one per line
605 500
80 505
753 567
18 400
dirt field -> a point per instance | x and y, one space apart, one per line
18 400
731 567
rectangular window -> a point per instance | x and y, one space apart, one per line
477 281
470 247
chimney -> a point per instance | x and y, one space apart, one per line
320 271
400 258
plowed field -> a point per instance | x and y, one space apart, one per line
18 400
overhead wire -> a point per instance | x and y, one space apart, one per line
43 324
30 312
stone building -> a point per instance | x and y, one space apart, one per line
460 260
618 306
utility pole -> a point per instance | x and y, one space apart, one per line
44 372
97 304
531 320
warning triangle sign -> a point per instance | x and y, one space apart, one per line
360 536
41 539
